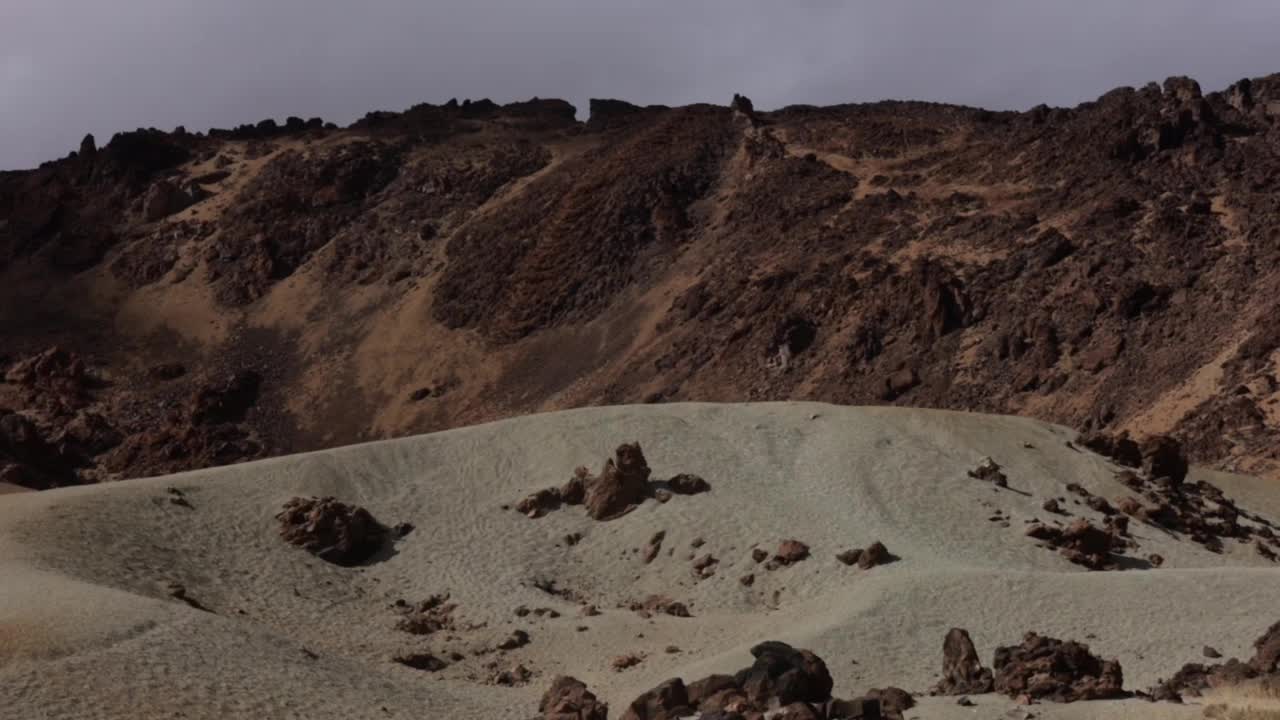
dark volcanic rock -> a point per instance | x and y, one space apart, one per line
1045 668
339 533
962 671
668 701
786 673
621 485
569 699
685 484
1162 457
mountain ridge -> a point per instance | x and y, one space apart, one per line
281 288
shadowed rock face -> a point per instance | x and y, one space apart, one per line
1112 266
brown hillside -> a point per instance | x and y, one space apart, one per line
178 300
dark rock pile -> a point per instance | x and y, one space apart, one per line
429 616
1165 499
332 531
782 681
620 487
1193 679
1082 542
1044 668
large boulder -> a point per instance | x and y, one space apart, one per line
1044 668
783 672
962 671
623 484
332 531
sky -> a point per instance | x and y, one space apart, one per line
70 67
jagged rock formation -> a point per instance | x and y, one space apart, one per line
1110 266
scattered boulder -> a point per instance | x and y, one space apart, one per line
332 531
893 701
989 470
659 605
1266 658
518 675
625 662
962 671
863 708
785 673
422 661
517 639
789 552
850 557
759 555
429 616
1081 542
668 701
1120 448
654 546
686 484
1044 668
569 699
622 484
875 554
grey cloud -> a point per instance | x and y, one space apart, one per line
68 67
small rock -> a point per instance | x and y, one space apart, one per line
623 662
850 557
517 639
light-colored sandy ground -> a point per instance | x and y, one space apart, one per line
88 631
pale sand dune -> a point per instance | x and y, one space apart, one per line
88 630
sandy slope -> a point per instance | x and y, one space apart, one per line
87 629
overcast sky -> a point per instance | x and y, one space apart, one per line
68 67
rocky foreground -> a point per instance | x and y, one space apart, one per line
667 560
178 300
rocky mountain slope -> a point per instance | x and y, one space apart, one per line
177 300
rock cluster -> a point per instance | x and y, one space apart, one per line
874 554
622 485
332 531
782 682
1193 679
426 617
569 699
1081 542
1044 668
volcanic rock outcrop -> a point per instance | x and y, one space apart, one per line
1044 668
331 530
622 484
923 240
962 671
